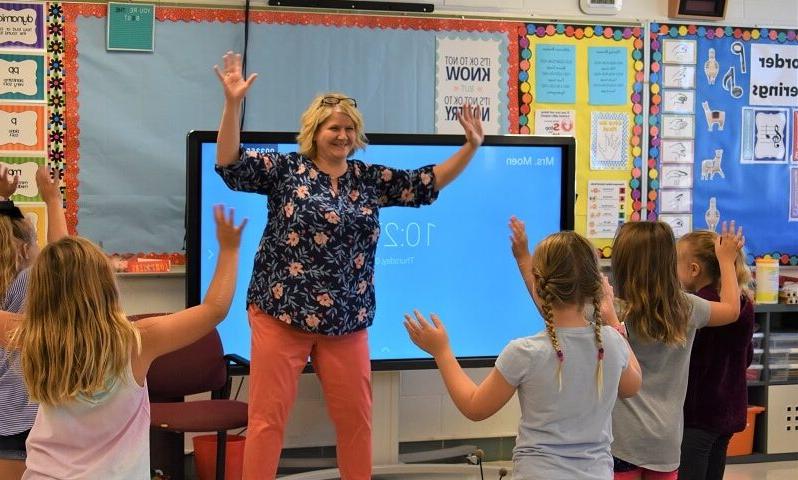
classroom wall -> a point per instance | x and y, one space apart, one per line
782 13
426 413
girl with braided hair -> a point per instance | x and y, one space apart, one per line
567 377
661 322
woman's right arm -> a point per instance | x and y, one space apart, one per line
228 140
164 334
728 243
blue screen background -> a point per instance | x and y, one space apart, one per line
452 257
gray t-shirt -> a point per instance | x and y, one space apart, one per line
648 427
564 435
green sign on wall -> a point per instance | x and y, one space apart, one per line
131 26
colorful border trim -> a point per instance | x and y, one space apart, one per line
581 31
55 95
659 31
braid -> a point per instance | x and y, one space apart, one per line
548 318
599 344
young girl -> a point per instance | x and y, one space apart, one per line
661 322
567 377
717 395
86 364
18 249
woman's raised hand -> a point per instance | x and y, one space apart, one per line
232 78
470 117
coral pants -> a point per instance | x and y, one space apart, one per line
279 353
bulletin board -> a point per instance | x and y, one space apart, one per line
587 81
723 124
25 103
126 114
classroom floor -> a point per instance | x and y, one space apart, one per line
762 471
749 471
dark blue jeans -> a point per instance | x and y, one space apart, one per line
703 455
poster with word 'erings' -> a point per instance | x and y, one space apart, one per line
468 72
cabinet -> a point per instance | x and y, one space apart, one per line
773 384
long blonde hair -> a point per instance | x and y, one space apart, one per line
702 248
644 270
566 272
317 112
74 336
15 234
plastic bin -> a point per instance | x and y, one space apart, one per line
783 372
757 339
757 358
205 457
754 373
742 443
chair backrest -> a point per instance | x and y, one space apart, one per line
196 368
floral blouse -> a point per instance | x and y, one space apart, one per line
314 268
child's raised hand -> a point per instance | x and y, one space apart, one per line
430 338
47 184
729 242
227 233
7 187
518 238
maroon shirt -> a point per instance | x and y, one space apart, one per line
717 391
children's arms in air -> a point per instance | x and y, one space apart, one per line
164 334
520 248
728 243
48 189
476 402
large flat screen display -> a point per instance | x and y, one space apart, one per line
451 257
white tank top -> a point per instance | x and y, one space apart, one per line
106 436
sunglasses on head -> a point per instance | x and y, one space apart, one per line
337 100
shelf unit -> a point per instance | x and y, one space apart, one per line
770 426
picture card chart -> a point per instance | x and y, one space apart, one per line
605 208
23 103
586 81
723 110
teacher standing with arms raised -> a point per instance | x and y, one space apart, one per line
312 289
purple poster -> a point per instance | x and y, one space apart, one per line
22 25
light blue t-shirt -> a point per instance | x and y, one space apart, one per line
564 435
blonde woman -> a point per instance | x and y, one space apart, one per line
312 290
86 364
18 250
567 376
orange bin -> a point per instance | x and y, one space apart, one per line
742 443
205 457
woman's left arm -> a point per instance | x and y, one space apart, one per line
445 172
